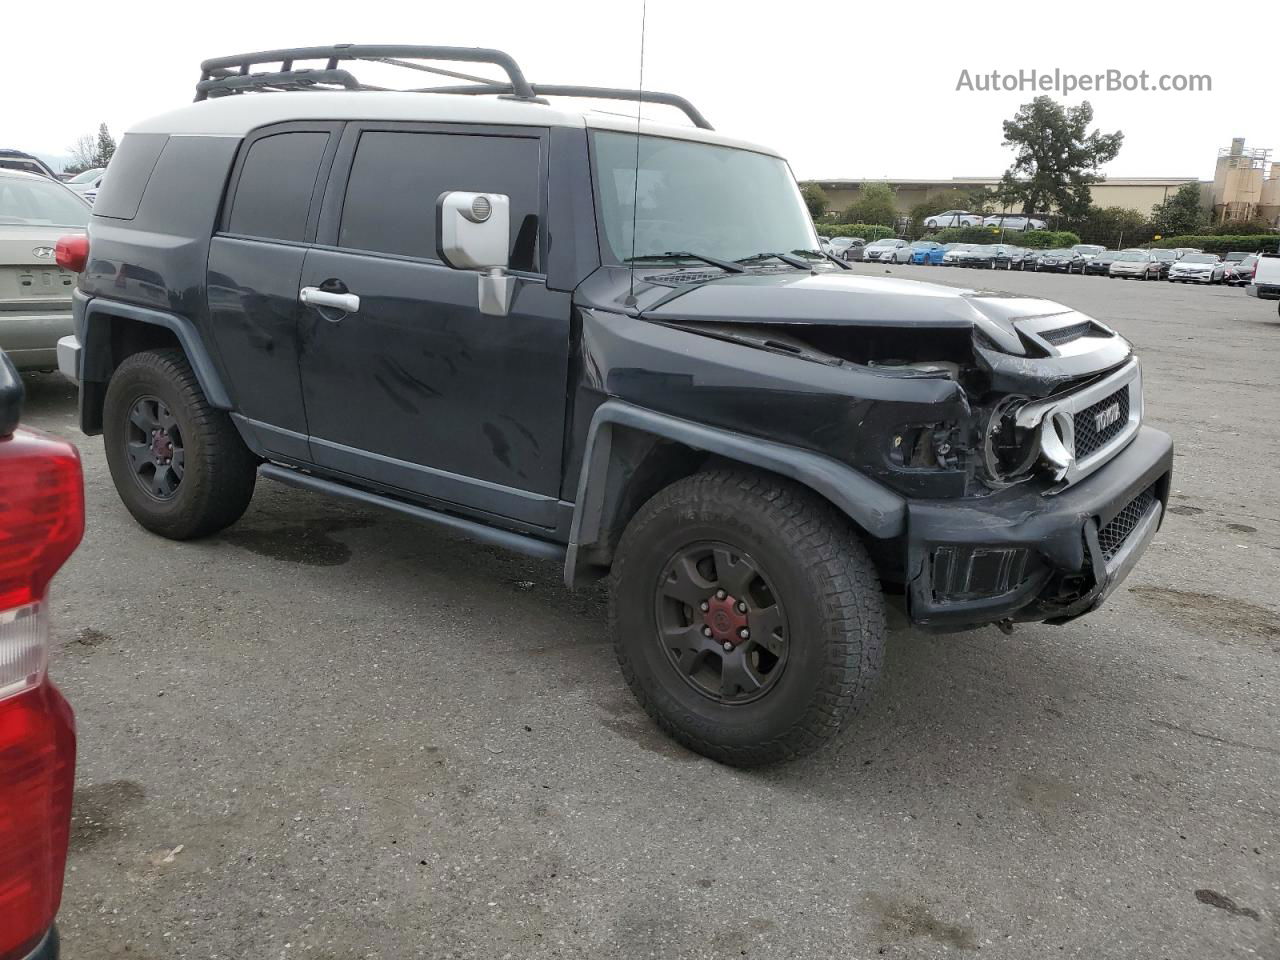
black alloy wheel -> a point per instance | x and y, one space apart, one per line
720 623
154 446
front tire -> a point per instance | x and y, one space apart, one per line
178 464
746 616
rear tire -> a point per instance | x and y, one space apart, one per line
178 464
807 591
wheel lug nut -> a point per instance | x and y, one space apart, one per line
742 607
706 631
744 633
704 606
728 645
720 594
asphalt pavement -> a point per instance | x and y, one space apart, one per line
329 733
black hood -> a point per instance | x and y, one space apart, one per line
838 298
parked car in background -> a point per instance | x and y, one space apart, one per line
954 253
1135 265
1241 272
928 252
1011 221
887 251
1025 259
1062 260
35 292
953 218
842 246
88 180
1100 265
1198 268
1165 258
26 162
1089 250
41 523
1265 283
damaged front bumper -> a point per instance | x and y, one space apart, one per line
1023 555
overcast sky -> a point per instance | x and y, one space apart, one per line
844 89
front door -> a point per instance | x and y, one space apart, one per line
415 389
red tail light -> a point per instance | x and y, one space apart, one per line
41 522
72 252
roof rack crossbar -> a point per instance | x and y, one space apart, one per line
211 69
588 93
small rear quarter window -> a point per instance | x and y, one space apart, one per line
127 175
277 180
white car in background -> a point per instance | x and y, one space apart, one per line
35 293
953 218
1014 221
88 183
887 251
1197 268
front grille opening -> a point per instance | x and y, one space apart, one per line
1112 536
1099 424
971 573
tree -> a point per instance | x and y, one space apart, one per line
1056 157
89 152
83 154
815 198
1114 227
875 204
1181 213
106 145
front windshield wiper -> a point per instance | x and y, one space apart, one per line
726 265
788 259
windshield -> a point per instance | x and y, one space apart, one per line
1058 253
40 202
1199 258
689 197
87 176
1088 248
1163 255
1129 255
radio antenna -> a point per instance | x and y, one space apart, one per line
635 186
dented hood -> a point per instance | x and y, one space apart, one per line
844 299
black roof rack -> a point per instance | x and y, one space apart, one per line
224 76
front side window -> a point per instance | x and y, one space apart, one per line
396 179
691 197
273 196
40 202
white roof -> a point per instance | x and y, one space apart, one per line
235 116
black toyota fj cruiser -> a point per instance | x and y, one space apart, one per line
606 342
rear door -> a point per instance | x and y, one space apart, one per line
255 261
417 390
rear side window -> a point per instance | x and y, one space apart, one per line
277 180
129 171
396 178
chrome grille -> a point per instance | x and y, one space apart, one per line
1112 536
1089 438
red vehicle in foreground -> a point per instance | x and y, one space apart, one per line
41 523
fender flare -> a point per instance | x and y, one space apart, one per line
879 511
97 362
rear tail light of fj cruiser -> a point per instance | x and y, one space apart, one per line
41 522
72 252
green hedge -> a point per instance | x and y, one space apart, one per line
1210 244
867 231
1038 239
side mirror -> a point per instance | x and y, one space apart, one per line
473 232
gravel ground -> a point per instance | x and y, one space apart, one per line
329 733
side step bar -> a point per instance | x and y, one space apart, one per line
471 529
